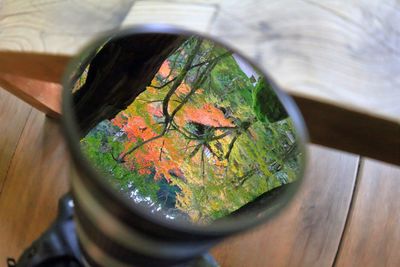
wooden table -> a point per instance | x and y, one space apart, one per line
339 60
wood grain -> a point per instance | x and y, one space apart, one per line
13 117
308 232
44 96
193 15
372 236
341 52
50 32
54 26
32 47
37 177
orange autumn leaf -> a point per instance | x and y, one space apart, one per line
207 115
156 155
152 90
183 89
119 120
136 127
164 69
199 91
155 109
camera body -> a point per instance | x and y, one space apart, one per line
59 245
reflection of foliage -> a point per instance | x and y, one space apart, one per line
99 144
202 138
262 94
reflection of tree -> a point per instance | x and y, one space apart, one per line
199 126
118 73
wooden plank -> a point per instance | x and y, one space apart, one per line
308 232
44 96
351 131
50 32
344 53
54 26
37 177
372 235
41 48
192 15
13 117
40 66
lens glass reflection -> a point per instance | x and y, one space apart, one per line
184 127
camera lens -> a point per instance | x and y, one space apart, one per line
179 141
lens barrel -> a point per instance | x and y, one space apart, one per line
111 235
115 232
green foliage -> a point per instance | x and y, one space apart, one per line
266 104
100 146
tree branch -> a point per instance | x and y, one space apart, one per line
178 81
203 169
168 118
231 144
165 84
245 177
161 150
121 158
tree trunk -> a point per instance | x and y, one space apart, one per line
118 73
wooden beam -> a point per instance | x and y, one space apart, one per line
57 27
193 15
39 66
43 96
351 130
